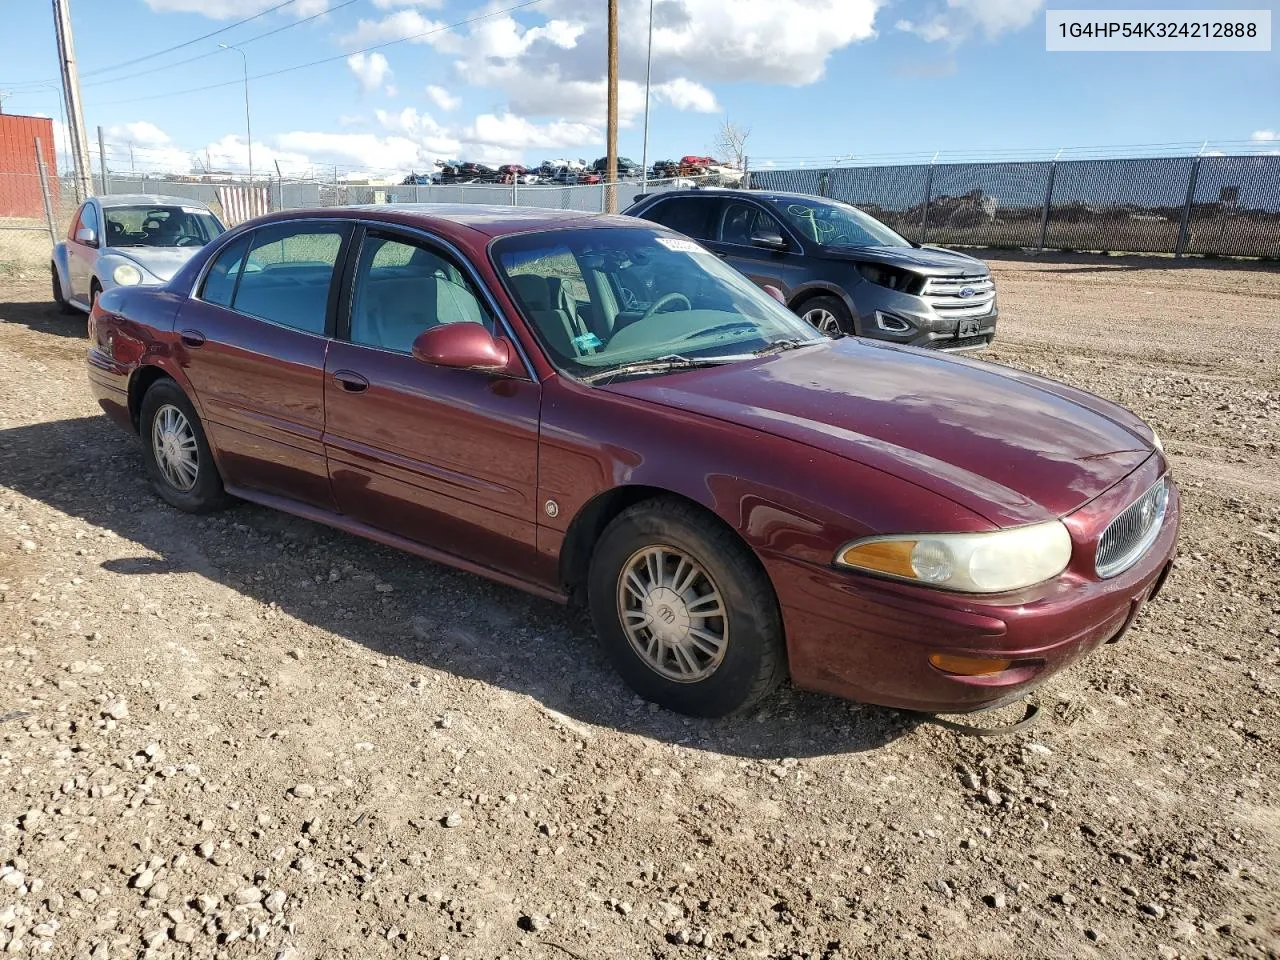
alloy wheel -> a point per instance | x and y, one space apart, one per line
174 444
673 614
824 320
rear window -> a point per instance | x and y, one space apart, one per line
688 215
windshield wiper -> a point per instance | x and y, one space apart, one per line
725 328
665 364
781 346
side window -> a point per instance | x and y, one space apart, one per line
741 221
287 274
89 219
220 281
687 215
403 288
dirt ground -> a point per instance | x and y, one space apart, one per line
250 736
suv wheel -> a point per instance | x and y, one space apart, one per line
828 314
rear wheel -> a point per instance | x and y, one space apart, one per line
176 452
58 298
684 611
828 314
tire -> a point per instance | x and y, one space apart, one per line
95 288
751 658
58 298
828 314
197 488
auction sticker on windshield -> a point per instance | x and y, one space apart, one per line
680 246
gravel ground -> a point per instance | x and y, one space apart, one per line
247 735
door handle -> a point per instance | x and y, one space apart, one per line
193 338
351 381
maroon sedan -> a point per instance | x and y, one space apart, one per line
595 408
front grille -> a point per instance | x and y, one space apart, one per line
944 294
1131 534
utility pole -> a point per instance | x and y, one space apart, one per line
648 72
248 134
611 147
102 161
71 92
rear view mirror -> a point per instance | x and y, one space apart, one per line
769 239
86 235
463 346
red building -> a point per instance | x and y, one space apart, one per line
19 175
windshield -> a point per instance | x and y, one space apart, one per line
159 226
603 297
832 224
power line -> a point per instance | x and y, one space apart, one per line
178 46
214 53
341 56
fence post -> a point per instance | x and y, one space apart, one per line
924 213
44 192
102 161
824 184
1048 203
1185 227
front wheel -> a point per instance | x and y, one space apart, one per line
828 314
176 452
58 298
684 611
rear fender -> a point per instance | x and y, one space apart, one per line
60 263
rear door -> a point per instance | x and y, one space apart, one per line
691 215
732 227
447 458
253 342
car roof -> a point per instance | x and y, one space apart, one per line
146 199
488 220
776 196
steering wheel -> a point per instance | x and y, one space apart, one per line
629 299
663 301
188 241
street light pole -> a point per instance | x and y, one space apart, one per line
648 69
248 134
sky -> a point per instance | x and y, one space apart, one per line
459 79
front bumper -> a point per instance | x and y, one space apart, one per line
868 639
881 311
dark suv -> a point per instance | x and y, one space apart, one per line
836 266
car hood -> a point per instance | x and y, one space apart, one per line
160 262
1012 447
934 261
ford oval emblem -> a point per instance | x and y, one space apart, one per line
967 292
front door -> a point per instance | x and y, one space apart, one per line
447 458
82 255
731 232
253 344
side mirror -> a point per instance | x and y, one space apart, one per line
769 239
774 292
463 346
86 235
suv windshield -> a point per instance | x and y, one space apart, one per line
833 224
159 226
599 298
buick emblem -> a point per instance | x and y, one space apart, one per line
967 292
666 615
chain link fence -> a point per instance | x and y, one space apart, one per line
1215 205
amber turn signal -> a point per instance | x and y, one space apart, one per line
969 666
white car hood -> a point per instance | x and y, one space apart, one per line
160 262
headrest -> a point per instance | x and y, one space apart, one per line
533 290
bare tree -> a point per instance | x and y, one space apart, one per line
731 143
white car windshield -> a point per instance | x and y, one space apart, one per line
602 298
833 224
159 226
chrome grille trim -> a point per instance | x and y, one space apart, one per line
1132 533
943 294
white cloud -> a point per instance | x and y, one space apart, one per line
513 133
402 25
443 99
392 4
961 19
228 9
1265 136
364 150
139 132
686 95
371 69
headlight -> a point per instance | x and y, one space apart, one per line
127 275
970 562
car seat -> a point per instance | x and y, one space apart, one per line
544 308
737 225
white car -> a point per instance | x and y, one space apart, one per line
125 240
